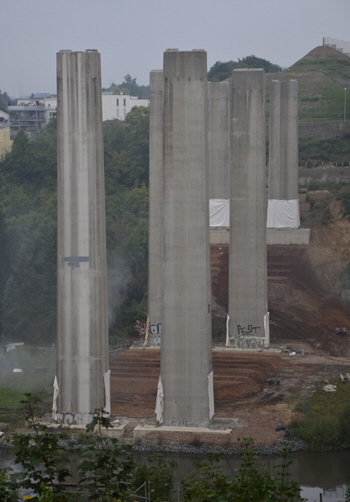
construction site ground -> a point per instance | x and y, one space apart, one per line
306 296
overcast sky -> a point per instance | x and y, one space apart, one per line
132 35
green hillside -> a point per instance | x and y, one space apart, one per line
322 75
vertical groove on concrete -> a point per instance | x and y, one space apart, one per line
82 292
247 268
156 187
219 139
186 319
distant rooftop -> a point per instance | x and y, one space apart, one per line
41 95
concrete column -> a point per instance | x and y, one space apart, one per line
247 268
219 139
82 336
186 321
283 141
156 200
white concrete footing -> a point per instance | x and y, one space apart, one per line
143 429
281 236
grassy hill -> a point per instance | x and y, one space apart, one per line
322 75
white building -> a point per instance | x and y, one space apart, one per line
117 106
34 113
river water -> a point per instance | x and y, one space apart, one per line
326 474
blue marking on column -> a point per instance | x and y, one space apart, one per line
74 261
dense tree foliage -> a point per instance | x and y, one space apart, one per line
108 473
221 71
5 100
128 86
28 229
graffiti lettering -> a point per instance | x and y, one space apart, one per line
249 330
74 418
247 343
178 422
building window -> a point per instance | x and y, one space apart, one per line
117 102
124 102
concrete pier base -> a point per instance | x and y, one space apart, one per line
144 429
300 236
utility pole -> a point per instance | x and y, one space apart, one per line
344 104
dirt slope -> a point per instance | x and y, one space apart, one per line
304 288
305 304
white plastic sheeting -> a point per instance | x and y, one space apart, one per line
55 394
107 389
283 214
267 329
160 401
211 394
219 210
227 331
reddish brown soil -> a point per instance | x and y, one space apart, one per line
241 390
135 376
304 287
305 307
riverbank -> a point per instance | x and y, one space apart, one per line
200 449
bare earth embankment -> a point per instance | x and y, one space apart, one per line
305 307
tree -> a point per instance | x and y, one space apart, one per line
133 88
106 470
43 457
15 164
5 100
128 86
158 474
250 484
221 71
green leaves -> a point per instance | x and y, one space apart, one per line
250 484
158 474
43 460
106 471
100 419
221 71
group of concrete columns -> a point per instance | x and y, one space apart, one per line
207 141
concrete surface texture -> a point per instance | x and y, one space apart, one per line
247 255
156 181
273 235
283 141
282 236
186 360
219 138
82 323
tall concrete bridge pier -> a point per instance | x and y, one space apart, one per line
283 203
247 253
219 139
180 165
156 200
82 327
